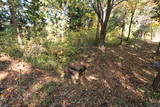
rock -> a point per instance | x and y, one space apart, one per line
104 104
1 90
77 68
156 65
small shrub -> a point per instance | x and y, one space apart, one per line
15 52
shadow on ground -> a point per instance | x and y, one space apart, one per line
116 77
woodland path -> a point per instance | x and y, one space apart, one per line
118 77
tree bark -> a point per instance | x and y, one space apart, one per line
156 82
131 21
98 31
103 10
144 35
103 32
122 33
12 9
13 20
157 52
130 26
104 26
151 33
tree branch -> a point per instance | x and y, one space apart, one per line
119 3
96 10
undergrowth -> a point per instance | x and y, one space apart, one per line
51 55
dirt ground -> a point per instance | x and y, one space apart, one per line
118 77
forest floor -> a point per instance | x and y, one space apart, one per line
119 77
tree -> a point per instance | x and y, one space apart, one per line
103 9
133 6
156 82
122 27
79 16
157 18
120 12
12 9
13 19
3 16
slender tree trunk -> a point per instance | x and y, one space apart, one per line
131 21
122 33
103 30
151 33
157 52
130 26
102 35
13 19
156 82
12 9
19 35
144 35
98 30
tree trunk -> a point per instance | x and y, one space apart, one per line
151 33
122 33
98 31
131 21
103 11
156 82
13 19
130 26
103 32
19 35
13 13
144 35
104 25
157 52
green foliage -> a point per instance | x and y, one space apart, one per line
113 23
49 89
46 101
150 94
153 94
80 14
112 41
83 38
43 61
50 55
15 52
131 40
157 10
9 44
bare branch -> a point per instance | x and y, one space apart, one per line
96 10
101 6
119 3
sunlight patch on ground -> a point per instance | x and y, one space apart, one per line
37 86
106 84
132 54
113 51
121 58
139 46
141 59
91 78
113 71
3 56
140 77
49 79
146 71
22 67
119 64
3 75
